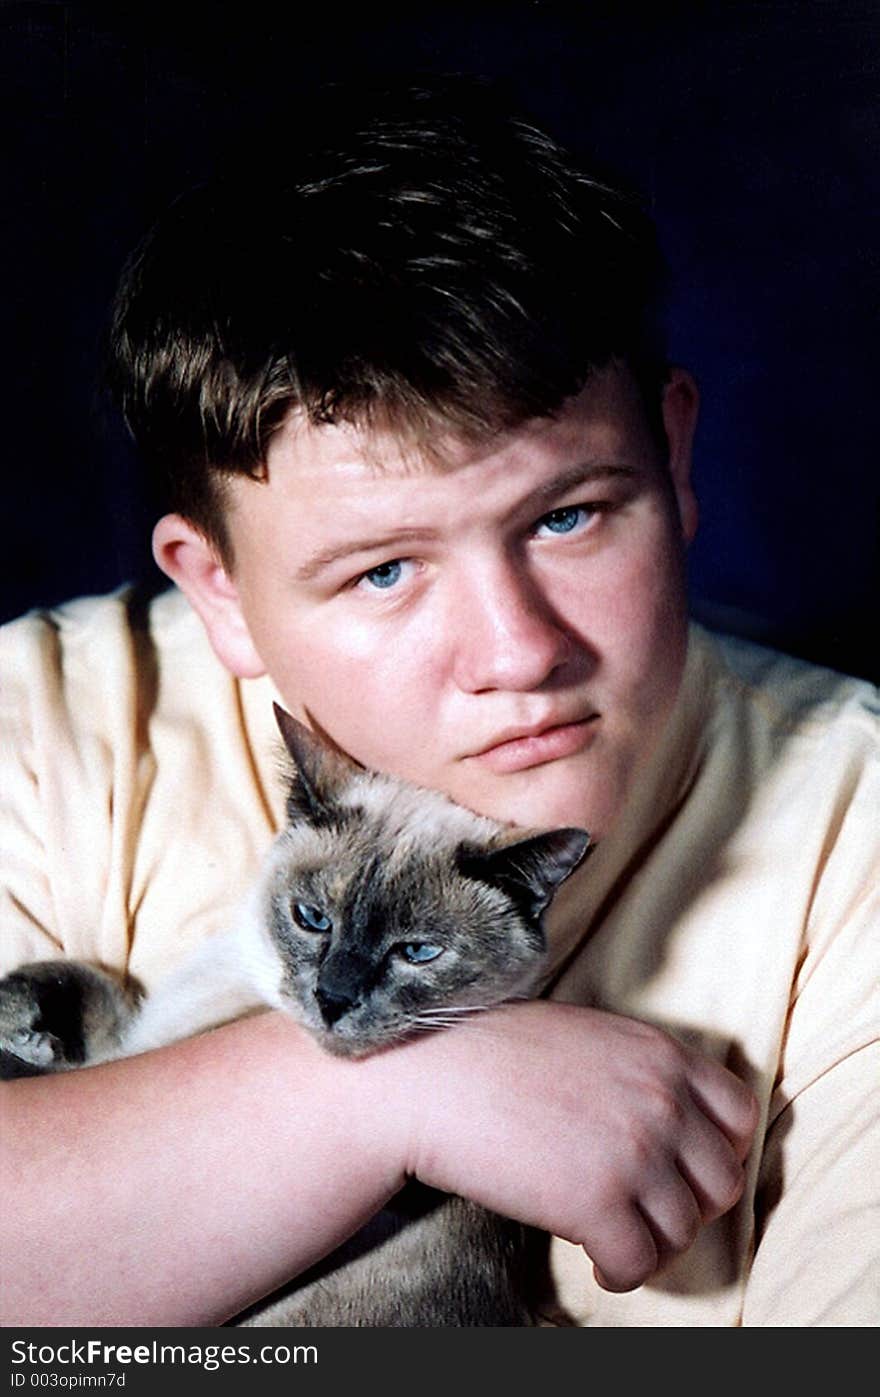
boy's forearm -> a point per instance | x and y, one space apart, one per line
178 1187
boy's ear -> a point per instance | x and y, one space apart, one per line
193 563
681 405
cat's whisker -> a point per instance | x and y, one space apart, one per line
434 1019
449 1011
444 1017
427 1025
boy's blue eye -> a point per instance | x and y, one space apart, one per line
418 952
311 918
562 521
385 575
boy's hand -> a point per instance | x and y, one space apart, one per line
597 1128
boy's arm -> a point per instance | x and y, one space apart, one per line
178 1187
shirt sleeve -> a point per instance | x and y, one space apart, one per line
817 1258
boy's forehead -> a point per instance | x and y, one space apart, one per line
306 447
608 408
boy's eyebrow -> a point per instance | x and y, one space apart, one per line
583 474
569 479
326 557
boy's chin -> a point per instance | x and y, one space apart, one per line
545 799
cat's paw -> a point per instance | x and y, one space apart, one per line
24 1030
60 1014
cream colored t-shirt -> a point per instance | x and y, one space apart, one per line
737 905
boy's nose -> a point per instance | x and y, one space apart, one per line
508 637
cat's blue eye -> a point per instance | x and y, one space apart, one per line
311 918
418 952
566 519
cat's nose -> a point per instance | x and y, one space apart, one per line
333 1004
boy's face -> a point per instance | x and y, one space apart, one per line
509 628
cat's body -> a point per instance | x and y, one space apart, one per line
380 911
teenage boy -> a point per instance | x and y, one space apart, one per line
429 484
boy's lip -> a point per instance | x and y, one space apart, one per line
516 749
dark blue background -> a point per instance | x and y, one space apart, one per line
752 128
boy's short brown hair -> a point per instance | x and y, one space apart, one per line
428 264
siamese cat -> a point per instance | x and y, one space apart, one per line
382 910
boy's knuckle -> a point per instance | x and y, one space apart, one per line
669 1113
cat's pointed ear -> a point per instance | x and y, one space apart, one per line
321 769
531 869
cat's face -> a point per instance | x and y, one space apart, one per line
393 909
